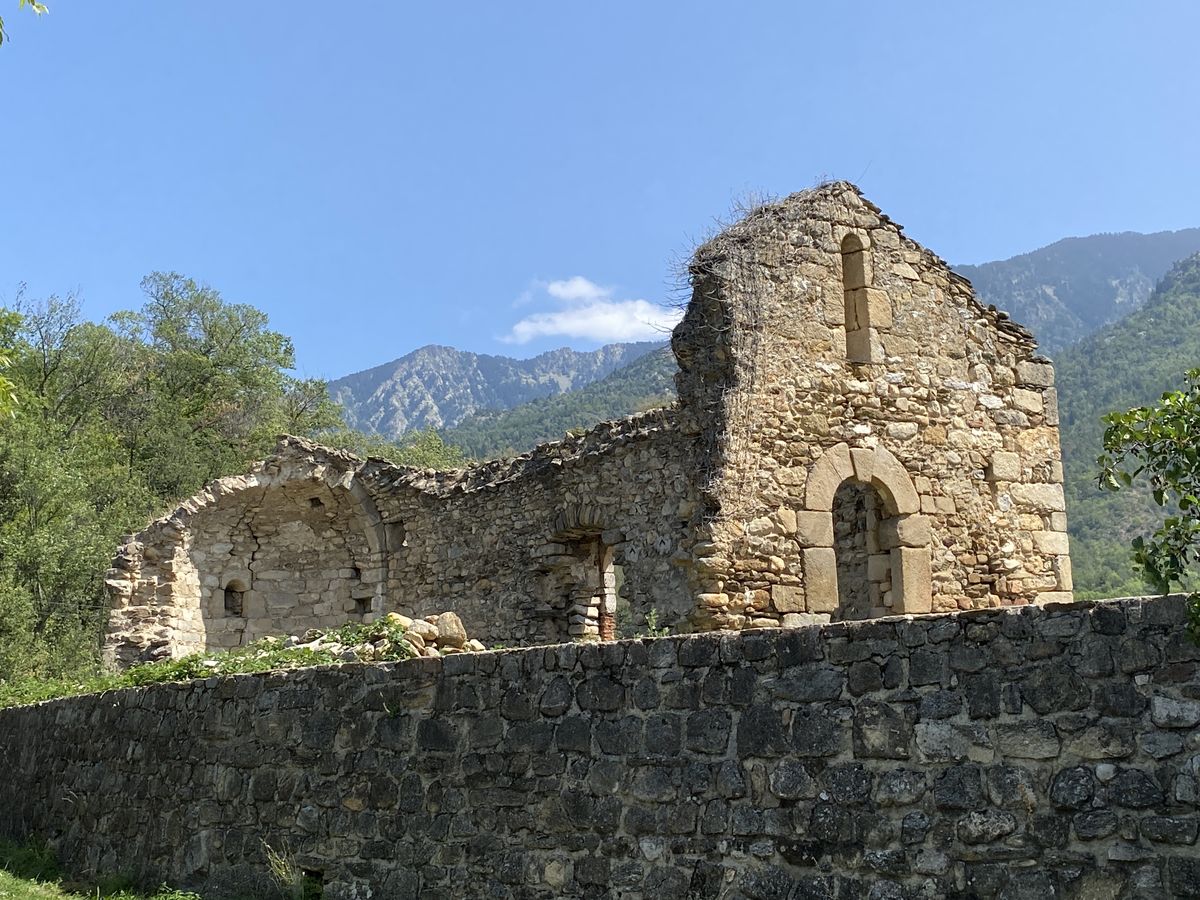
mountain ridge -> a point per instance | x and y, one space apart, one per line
436 386
1068 289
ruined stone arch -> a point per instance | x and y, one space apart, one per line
895 542
295 544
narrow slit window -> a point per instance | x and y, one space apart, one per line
235 594
854 295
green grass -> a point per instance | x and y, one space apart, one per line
30 872
262 656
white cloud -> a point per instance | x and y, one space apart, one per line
577 288
586 311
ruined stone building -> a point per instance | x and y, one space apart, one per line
855 436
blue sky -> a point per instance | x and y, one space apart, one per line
511 177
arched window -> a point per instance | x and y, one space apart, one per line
854 293
235 593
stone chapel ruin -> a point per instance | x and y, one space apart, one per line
855 436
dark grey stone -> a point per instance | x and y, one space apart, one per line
881 731
941 705
848 782
914 827
983 695
985 826
599 693
959 788
760 732
1073 788
815 732
1011 787
1120 698
811 682
900 787
865 677
791 780
1135 789
708 731
1170 829
1055 688
1094 823
927 667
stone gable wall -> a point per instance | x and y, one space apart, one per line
951 399
1018 753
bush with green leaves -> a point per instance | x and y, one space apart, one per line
1160 445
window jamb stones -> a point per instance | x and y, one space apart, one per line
867 310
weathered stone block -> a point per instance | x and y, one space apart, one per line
1039 497
820 579
787 599
814 529
1004 466
912 576
1055 542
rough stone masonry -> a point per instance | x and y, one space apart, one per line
855 436
1021 753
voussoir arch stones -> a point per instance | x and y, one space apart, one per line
910 534
577 520
875 466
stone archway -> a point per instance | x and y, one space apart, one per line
296 543
895 549
580 577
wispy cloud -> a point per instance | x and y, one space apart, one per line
587 311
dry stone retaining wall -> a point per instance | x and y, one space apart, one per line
1018 753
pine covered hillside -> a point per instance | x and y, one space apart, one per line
1067 290
1128 363
437 387
645 383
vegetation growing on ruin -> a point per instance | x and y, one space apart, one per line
30 872
317 648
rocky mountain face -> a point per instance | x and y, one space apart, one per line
1069 289
439 386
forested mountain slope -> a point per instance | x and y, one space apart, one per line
1067 290
439 386
647 382
1128 363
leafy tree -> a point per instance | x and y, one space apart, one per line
9 322
115 422
1162 443
37 7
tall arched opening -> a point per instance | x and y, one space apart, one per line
865 549
579 579
861 551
